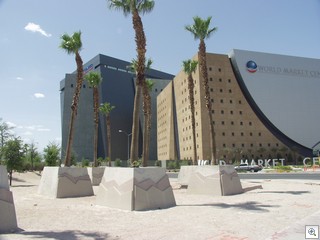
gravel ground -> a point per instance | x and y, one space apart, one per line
257 214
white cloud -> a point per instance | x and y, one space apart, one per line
11 124
43 130
19 78
28 133
36 28
39 95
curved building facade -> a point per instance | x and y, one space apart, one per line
263 106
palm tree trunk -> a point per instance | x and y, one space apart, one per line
193 122
145 126
96 125
203 70
108 122
141 50
67 161
74 108
149 116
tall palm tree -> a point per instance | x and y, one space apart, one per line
189 67
146 110
73 45
94 79
200 30
135 7
106 108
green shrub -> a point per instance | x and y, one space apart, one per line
283 168
117 162
157 163
85 163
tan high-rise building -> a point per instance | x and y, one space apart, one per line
242 131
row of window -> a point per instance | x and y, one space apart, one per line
233 145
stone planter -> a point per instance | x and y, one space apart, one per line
213 180
62 182
8 219
135 189
185 174
96 174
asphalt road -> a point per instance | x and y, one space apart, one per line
300 175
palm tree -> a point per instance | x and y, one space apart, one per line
135 7
94 79
200 30
146 110
106 108
189 67
73 45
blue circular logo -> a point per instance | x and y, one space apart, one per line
251 66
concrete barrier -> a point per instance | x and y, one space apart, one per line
212 180
135 189
62 182
8 219
96 174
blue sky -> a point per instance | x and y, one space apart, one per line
32 65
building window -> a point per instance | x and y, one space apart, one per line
222 112
222 122
240 112
221 90
221 100
224 145
223 134
232 122
210 68
259 134
233 145
219 69
211 89
229 80
250 123
231 112
232 134
231 101
220 79
230 91
71 85
240 102
211 79
241 123
84 86
242 134
251 134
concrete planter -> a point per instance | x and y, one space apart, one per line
96 174
62 182
135 189
211 180
8 219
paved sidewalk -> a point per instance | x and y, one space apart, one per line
299 229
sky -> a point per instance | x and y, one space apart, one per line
32 64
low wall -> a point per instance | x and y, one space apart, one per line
96 174
210 180
135 189
8 219
62 182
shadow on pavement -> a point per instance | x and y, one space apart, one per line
288 192
63 235
252 205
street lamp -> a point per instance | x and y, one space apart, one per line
128 135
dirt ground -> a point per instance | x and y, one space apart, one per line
257 214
